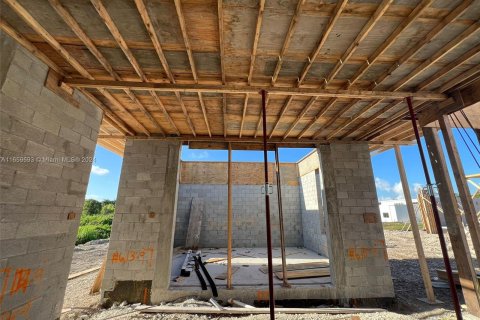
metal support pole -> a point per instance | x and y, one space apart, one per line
441 237
280 218
230 220
267 210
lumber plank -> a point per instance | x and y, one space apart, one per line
195 223
243 311
307 273
298 266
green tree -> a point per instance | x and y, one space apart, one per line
104 202
108 208
92 207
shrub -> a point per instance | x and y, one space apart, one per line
92 232
97 220
107 208
91 206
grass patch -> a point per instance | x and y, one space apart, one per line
93 227
393 226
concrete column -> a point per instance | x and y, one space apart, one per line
141 243
359 260
47 148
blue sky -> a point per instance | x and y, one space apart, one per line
107 166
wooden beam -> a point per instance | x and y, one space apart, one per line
225 115
460 78
122 126
310 59
229 219
427 282
438 55
462 185
261 8
416 12
456 231
449 67
24 42
152 30
258 27
308 92
336 117
457 12
348 122
347 54
220 39
282 113
112 27
300 116
37 27
318 116
286 42
381 9
76 28
427 63
244 112
188 48
341 4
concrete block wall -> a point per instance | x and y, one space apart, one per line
141 241
47 147
311 198
248 215
357 245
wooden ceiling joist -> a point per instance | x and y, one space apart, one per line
188 48
36 26
390 40
455 14
347 55
310 59
306 92
8 29
244 49
253 56
422 67
457 62
286 42
382 8
111 26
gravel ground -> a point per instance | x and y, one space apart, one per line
405 272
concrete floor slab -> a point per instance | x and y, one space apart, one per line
248 261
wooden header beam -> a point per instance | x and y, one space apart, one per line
185 88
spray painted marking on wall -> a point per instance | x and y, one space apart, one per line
358 254
144 255
18 281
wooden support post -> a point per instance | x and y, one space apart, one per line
416 233
461 181
477 133
468 278
230 219
280 218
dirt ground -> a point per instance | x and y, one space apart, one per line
78 304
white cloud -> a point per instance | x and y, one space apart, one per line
398 190
198 155
383 185
99 171
417 186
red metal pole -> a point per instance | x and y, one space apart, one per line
267 210
441 237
